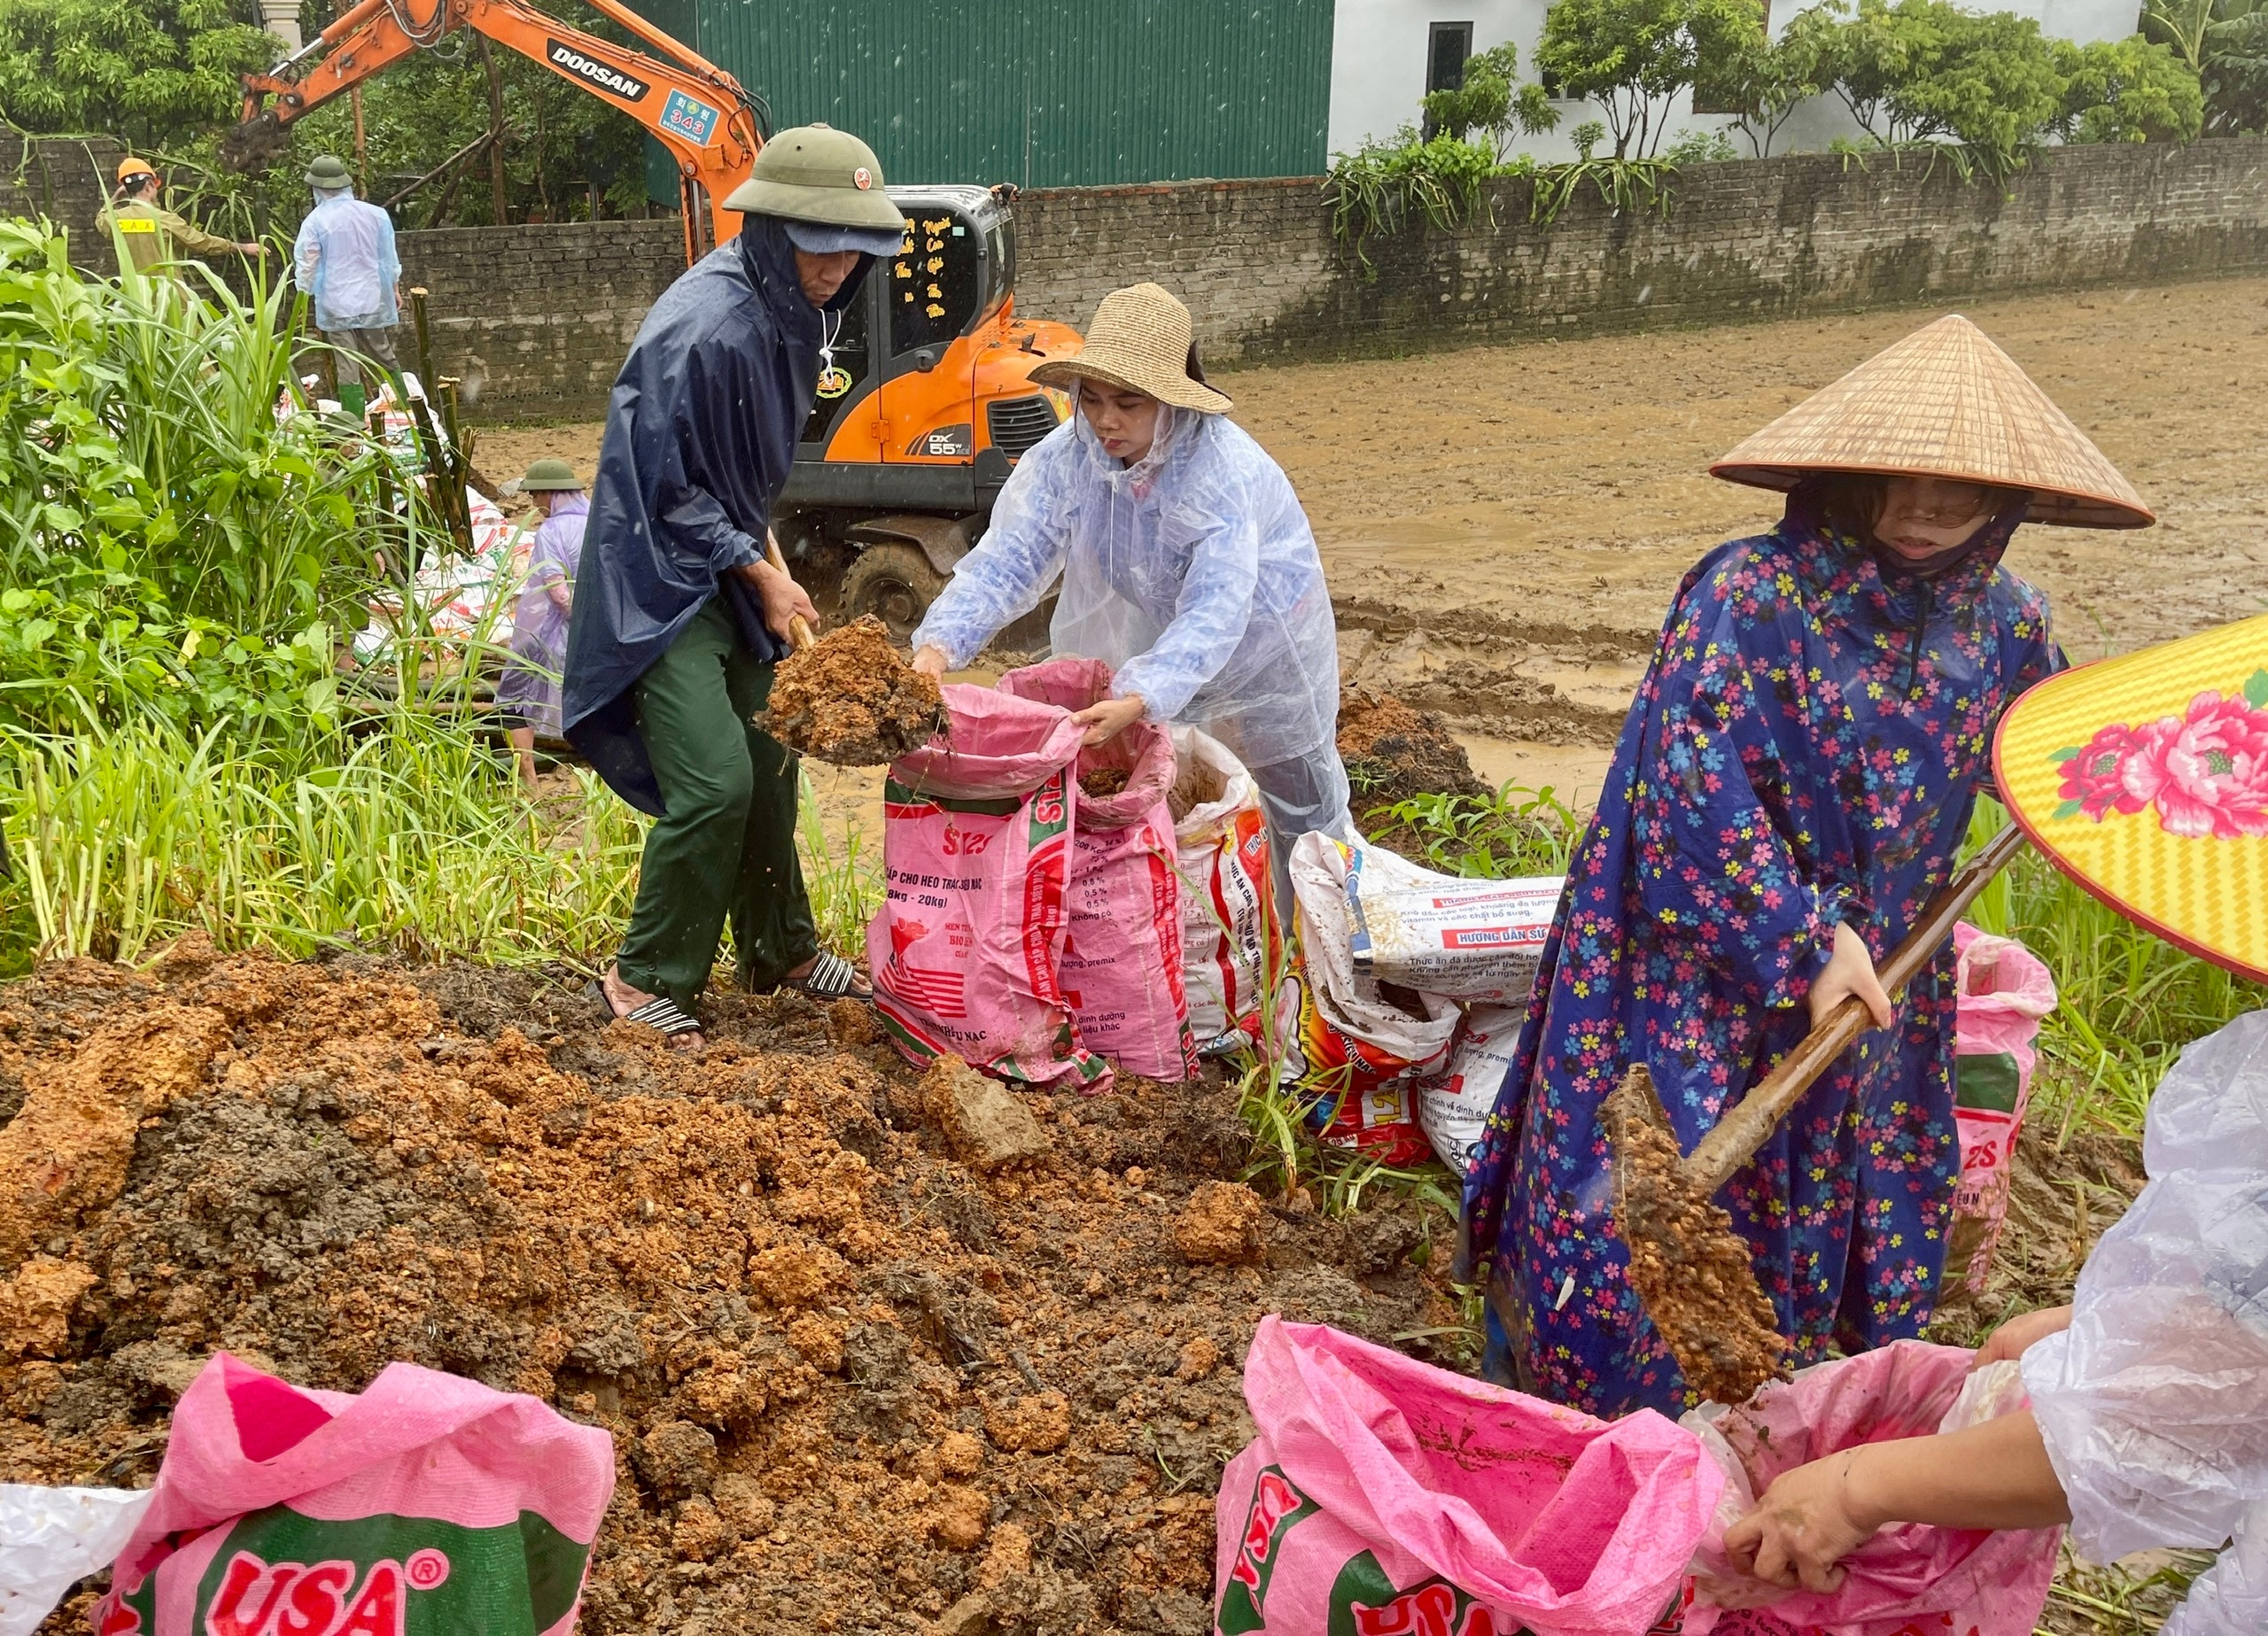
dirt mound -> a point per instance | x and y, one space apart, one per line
850 698
853 1381
1394 752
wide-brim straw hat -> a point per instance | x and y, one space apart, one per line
815 173
1944 402
1142 340
2145 779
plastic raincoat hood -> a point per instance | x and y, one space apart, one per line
700 432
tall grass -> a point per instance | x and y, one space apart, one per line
2127 1000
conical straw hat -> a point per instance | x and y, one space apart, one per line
2145 779
1944 402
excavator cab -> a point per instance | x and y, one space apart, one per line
925 404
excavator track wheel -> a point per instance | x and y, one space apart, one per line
895 583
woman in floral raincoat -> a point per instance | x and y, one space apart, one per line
1792 786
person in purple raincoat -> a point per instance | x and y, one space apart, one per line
1793 783
527 693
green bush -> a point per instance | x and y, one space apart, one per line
2128 91
1631 57
1491 100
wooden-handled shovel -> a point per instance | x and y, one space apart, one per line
800 634
1691 1271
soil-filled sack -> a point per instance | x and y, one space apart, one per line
1908 1577
428 1502
1470 939
1384 1497
967 949
2004 989
1362 1043
1453 1111
1231 938
1121 967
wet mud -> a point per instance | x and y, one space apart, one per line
850 698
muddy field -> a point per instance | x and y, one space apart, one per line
864 1358
1503 526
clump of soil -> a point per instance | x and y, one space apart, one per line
855 1382
1691 1271
1394 752
1102 781
850 698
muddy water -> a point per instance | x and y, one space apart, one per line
1504 527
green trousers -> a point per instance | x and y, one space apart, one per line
727 844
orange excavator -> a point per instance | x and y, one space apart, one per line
927 400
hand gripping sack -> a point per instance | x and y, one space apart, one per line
1231 936
1384 1497
2004 990
966 948
1121 952
428 1503
1909 1578
1368 1045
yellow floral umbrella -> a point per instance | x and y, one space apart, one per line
2145 779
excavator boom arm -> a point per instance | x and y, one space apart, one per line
694 109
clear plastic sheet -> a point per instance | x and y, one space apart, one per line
1193 575
2154 1404
52 1538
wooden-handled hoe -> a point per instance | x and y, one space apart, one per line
1691 1271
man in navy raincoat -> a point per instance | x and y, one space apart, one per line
679 618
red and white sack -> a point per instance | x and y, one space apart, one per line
428 1502
1122 965
1231 936
966 949
2003 991
1470 939
1341 1032
1453 1111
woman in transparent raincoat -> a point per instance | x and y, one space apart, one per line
1186 562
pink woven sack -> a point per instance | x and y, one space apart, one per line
2004 990
428 1502
966 949
1384 1497
1908 1580
1122 956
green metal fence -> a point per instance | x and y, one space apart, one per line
1043 93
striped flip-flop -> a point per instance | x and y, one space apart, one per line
663 1014
831 978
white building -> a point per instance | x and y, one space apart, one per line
1386 54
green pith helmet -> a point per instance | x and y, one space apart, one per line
330 171
549 474
815 173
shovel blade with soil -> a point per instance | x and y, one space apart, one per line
848 697
1692 1272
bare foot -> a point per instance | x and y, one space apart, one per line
623 999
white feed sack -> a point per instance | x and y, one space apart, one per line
1453 1110
1467 940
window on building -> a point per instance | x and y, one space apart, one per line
1447 46
1446 49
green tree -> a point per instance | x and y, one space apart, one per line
1764 78
1491 99
2226 42
1927 71
1631 57
2128 91
154 73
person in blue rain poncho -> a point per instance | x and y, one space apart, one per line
1793 783
1186 563
679 618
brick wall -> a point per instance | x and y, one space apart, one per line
550 310
65 179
